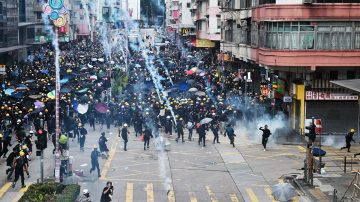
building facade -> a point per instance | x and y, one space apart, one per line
299 46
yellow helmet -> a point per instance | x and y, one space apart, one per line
352 130
22 153
95 146
1 135
24 147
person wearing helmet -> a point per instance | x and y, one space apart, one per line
86 196
124 134
95 154
102 145
82 136
10 162
348 139
180 130
19 163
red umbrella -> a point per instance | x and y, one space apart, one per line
101 107
190 72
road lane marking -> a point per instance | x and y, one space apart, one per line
192 197
301 148
150 192
252 195
129 192
234 198
4 189
269 193
211 194
171 195
108 161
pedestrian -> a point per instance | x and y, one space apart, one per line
92 120
147 135
10 162
202 133
102 145
215 129
107 192
312 133
229 131
348 139
168 125
180 130
190 127
95 160
265 136
124 134
82 136
19 163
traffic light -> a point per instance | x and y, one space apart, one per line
41 142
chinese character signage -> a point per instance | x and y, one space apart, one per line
312 95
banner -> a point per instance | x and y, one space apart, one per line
204 43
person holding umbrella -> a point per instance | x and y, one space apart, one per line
200 129
265 136
229 131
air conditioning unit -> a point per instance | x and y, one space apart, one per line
308 1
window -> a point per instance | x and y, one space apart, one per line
188 5
1 8
350 74
38 15
333 75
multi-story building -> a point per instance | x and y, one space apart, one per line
300 46
207 18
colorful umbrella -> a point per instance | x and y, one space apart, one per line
63 81
9 91
205 121
35 96
39 104
51 95
93 78
83 90
22 87
101 107
30 81
190 72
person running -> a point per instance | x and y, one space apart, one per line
95 160
229 131
348 139
19 164
82 136
215 129
107 192
102 145
124 135
265 136
190 127
180 130
10 162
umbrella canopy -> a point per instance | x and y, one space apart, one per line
101 60
193 90
30 81
22 87
51 94
63 81
35 96
205 121
283 192
83 90
39 104
200 93
9 91
93 78
202 74
137 65
44 71
101 107
65 90
190 72
82 108
17 95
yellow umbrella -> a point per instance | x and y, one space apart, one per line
51 95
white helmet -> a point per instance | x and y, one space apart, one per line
85 191
125 125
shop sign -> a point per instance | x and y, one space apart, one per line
184 31
204 43
312 95
287 99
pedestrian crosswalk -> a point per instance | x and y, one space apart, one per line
151 194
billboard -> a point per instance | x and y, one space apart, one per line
134 8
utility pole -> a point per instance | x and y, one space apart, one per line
127 35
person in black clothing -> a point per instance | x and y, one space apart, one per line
147 136
180 130
124 135
229 131
215 129
95 160
312 132
92 120
6 142
348 140
82 136
102 145
107 192
265 136
10 162
19 163
202 133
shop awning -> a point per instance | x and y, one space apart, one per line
12 48
352 84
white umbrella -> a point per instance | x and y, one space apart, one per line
205 121
89 65
101 60
112 62
93 59
200 93
193 90
82 108
236 79
283 192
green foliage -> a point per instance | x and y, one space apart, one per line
119 83
51 191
